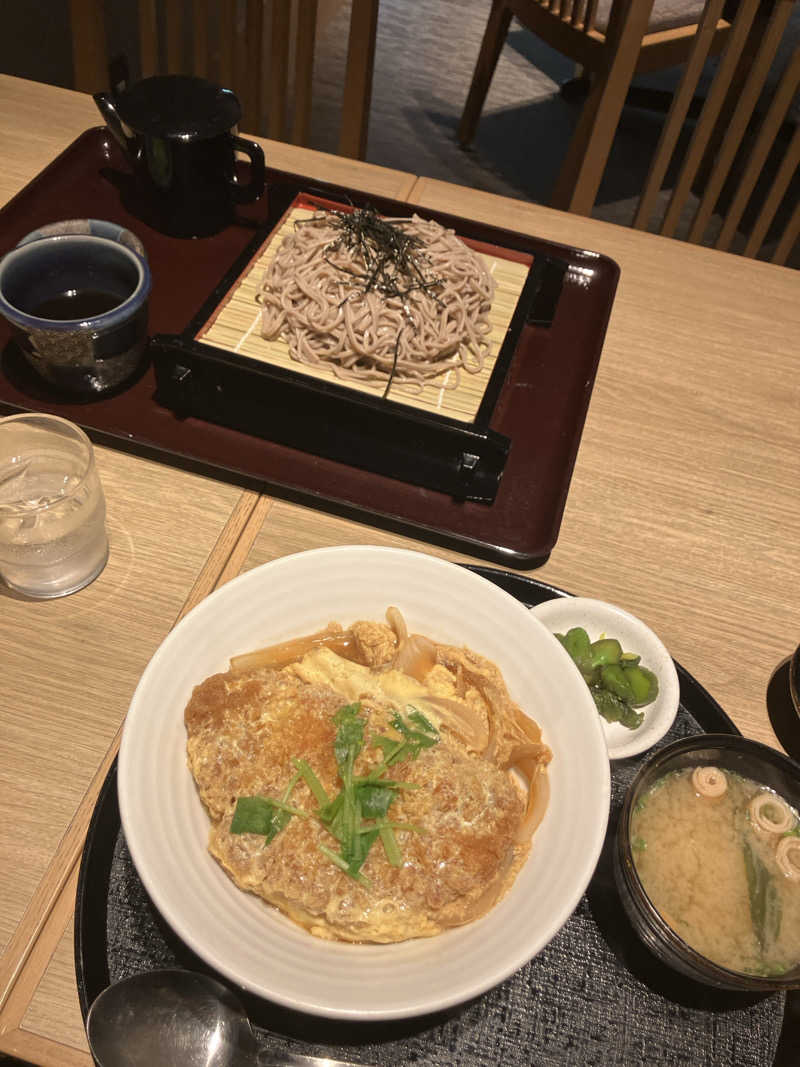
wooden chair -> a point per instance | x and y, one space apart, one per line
612 40
224 40
744 154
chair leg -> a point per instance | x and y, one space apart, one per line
358 79
493 40
575 89
587 155
89 51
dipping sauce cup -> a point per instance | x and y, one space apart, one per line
76 294
52 509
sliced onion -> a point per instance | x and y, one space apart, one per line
709 781
771 813
461 719
395 619
528 750
531 729
787 856
415 657
281 655
501 726
538 796
494 707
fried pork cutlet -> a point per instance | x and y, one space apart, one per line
244 730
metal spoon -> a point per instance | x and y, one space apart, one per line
174 1018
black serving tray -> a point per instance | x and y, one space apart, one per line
594 995
539 407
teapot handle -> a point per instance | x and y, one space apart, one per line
105 106
252 190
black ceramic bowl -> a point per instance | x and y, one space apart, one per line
729 752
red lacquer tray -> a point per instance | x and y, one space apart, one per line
541 406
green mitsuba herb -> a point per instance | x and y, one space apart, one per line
765 902
263 815
358 815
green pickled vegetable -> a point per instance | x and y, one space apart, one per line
644 685
614 709
578 645
617 680
605 651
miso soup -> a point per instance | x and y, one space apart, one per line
719 857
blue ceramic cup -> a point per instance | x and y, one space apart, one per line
76 293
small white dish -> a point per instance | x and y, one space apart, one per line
599 619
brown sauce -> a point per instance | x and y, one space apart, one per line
76 304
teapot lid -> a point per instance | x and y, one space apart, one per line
178 105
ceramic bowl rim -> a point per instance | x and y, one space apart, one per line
111 318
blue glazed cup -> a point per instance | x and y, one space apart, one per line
76 293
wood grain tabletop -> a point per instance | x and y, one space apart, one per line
70 666
683 508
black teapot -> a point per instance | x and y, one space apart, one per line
180 135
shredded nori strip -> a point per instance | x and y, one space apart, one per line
395 262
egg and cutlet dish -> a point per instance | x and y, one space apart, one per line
373 785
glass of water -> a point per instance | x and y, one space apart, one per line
52 510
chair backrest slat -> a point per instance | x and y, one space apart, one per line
226 31
709 115
251 43
280 25
89 46
743 133
677 113
148 38
304 69
201 16
590 16
789 238
578 13
781 102
786 171
174 37
742 114
264 52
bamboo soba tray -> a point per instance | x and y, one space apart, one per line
271 428
437 437
235 325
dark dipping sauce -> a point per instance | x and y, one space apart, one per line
77 304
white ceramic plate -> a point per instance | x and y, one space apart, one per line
166 826
599 618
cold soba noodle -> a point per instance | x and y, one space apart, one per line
719 857
379 300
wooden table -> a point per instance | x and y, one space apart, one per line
683 508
